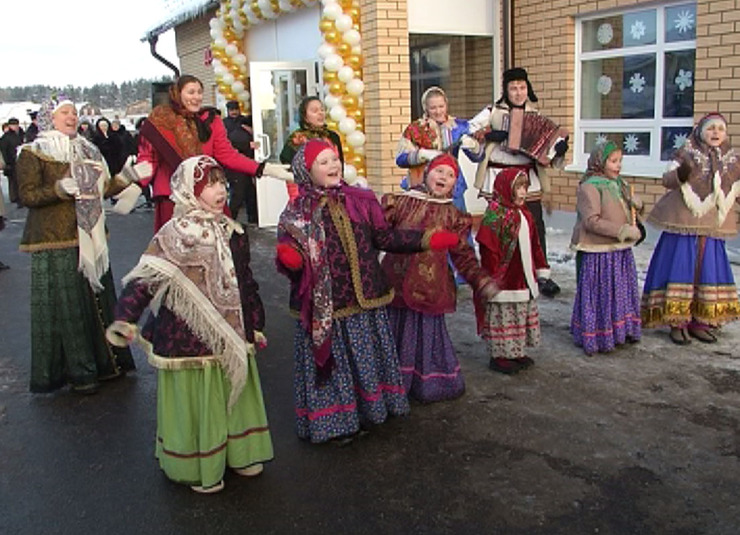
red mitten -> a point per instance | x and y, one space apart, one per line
443 240
289 257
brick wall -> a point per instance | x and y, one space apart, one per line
192 38
545 46
385 48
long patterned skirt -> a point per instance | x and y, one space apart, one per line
606 310
68 322
689 278
510 327
197 437
365 384
429 366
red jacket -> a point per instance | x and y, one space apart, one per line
218 146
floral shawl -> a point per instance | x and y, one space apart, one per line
302 223
189 269
596 176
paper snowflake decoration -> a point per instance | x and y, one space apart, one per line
637 83
684 79
601 140
604 34
679 140
631 143
637 30
604 85
684 21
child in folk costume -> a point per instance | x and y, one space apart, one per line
606 311
346 366
511 253
195 276
424 284
689 285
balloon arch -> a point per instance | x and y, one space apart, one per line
340 52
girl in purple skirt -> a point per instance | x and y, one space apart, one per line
606 312
425 286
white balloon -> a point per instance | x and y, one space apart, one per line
333 63
356 139
325 51
359 150
228 78
219 70
238 27
215 33
346 73
251 16
343 23
361 182
350 173
356 50
332 11
240 59
213 23
244 96
285 5
337 112
220 42
355 87
330 101
266 8
351 37
237 87
347 126
231 50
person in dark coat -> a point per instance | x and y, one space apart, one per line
110 145
242 189
33 129
9 143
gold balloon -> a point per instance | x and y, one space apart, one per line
358 73
358 160
355 61
358 115
356 26
354 12
276 6
333 37
327 25
343 49
229 35
218 53
346 4
330 76
362 171
349 102
336 88
332 125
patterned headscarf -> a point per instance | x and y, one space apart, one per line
48 107
189 268
596 176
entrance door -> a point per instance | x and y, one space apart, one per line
277 90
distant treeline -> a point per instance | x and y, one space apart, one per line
102 95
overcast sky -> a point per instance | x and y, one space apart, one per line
80 42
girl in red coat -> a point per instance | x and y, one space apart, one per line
511 253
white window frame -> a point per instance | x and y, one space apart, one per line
640 166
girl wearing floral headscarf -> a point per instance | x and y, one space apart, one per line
63 180
689 284
606 311
424 284
208 316
346 367
511 254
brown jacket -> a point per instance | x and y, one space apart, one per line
52 217
603 220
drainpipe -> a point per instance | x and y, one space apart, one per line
153 49
508 33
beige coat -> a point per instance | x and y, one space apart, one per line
603 221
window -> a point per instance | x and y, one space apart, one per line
635 84
430 66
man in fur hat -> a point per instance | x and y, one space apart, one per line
491 127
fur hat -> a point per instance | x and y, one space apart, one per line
516 74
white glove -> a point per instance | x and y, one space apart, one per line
69 186
127 199
120 333
279 171
427 155
260 339
144 170
470 143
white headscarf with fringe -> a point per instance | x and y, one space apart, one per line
189 269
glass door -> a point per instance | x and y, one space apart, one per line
277 90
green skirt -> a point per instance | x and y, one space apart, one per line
68 322
197 438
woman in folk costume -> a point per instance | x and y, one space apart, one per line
346 366
424 284
63 180
180 129
426 138
312 125
606 310
195 276
689 284
511 254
